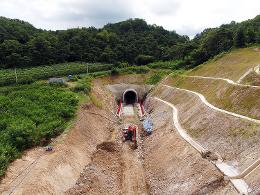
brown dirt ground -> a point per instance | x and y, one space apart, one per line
92 159
236 140
38 172
116 168
172 165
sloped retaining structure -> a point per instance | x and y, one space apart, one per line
126 92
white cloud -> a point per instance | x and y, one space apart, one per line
185 16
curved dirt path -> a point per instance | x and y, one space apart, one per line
224 79
203 99
226 169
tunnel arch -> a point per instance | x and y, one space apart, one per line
130 96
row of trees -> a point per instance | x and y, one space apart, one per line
132 41
127 41
216 40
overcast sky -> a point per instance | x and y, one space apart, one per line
184 16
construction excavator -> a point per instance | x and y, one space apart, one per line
130 134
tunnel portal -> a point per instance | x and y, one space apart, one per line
130 96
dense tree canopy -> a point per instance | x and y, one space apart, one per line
132 41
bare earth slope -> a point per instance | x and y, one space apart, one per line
235 139
38 172
172 165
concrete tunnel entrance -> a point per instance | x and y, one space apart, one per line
130 96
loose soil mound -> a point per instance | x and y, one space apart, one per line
107 146
104 174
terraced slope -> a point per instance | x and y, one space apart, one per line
221 93
238 99
226 85
232 65
236 140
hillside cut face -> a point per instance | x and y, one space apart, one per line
129 93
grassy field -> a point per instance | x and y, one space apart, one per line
28 75
230 65
31 115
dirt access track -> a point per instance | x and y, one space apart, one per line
92 158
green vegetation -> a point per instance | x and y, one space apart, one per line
125 43
132 41
230 65
134 70
96 101
32 115
165 65
83 85
157 76
28 75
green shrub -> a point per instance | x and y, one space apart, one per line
144 59
84 85
31 114
114 72
26 79
101 74
134 70
166 65
157 76
154 79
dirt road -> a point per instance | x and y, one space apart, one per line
134 176
116 168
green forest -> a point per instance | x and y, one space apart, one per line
132 41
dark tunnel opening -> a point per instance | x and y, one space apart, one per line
130 97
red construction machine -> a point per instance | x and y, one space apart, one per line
130 134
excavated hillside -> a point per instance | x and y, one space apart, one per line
226 82
243 100
206 132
